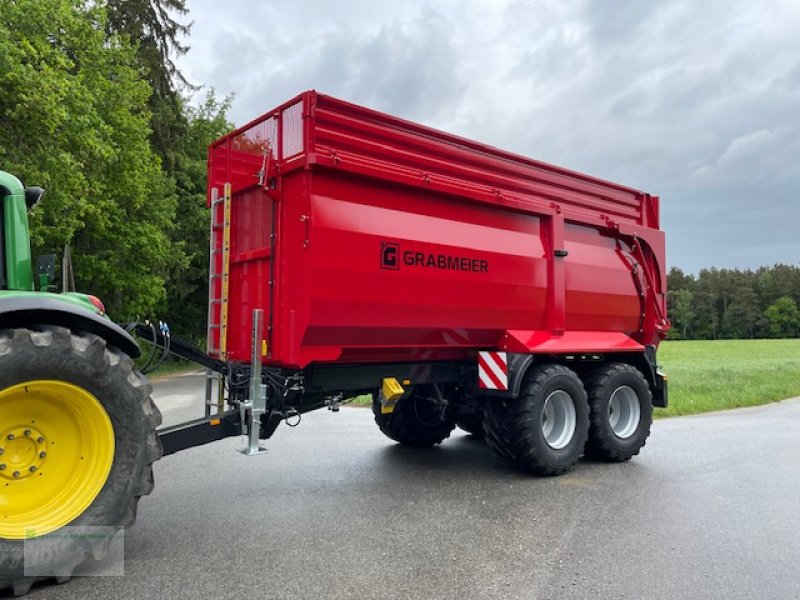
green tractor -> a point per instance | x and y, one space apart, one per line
77 423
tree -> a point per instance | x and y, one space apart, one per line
187 300
682 312
787 281
150 25
74 119
180 135
743 312
783 317
743 315
678 280
707 295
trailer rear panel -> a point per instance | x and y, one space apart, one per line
367 238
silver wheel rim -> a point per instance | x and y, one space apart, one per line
558 419
624 412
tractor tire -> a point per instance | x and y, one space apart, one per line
416 420
472 424
620 412
545 429
78 442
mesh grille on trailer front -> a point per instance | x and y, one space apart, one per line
251 149
292 119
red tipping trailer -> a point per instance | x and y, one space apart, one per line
351 253
435 271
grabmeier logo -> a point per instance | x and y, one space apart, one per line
389 255
392 258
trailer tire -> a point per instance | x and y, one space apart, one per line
545 429
472 424
416 421
70 394
620 412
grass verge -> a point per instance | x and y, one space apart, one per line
173 366
715 375
365 400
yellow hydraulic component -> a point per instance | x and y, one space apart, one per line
56 452
391 391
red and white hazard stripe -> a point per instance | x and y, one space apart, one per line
493 370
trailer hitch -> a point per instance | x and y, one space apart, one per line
249 412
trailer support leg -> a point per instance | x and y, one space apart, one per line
256 403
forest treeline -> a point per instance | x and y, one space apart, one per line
733 303
94 110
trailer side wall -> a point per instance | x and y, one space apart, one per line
375 239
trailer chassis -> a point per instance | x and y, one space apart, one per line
260 397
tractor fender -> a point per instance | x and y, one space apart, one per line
27 310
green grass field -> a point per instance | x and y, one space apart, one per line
714 375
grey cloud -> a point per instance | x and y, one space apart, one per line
408 68
404 67
755 157
618 19
733 226
696 102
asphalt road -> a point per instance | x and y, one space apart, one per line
711 509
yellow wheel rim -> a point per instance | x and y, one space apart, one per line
56 451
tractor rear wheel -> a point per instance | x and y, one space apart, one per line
545 429
77 443
420 420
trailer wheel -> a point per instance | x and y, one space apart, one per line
545 429
417 419
472 424
78 441
620 412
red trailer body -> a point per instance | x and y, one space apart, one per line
366 239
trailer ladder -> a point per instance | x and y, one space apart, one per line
218 286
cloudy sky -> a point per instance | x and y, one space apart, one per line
697 101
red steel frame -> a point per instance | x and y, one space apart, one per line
574 264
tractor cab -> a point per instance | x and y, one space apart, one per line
15 247
2 241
